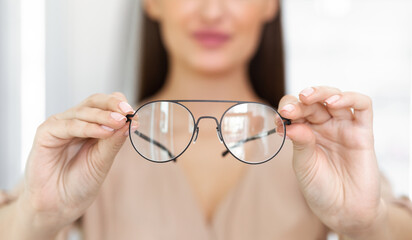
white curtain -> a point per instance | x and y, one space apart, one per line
90 47
363 46
9 93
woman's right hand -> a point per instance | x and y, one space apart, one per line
71 155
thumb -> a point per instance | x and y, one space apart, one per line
304 141
108 148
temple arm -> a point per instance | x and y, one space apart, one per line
257 136
152 141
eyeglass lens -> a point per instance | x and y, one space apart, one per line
250 131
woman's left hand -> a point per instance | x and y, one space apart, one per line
334 157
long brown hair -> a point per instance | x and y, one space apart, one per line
266 69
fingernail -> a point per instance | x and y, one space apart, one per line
288 108
125 107
307 92
117 116
332 99
107 128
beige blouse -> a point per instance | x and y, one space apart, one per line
144 200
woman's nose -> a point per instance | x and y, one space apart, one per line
212 10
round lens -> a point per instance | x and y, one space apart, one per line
252 133
165 130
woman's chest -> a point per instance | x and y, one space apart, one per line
142 200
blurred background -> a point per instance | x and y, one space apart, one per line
53 54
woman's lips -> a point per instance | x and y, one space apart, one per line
211 39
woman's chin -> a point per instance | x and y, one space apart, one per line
213 67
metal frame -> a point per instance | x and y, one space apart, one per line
196 129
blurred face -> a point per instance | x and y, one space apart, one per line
211 36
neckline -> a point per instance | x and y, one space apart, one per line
230 194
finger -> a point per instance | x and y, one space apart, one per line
111 119
108 149
133 127
72 128
115 102
291 108
287 99
120 95
338 113
361 105
321 95
317 94
100 154
304 141
124 106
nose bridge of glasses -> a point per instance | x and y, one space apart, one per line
206 117
219 135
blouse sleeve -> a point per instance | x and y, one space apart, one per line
387 193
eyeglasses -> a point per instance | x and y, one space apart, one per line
247 130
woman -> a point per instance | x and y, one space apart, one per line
326 178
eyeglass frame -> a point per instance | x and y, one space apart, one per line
129 117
